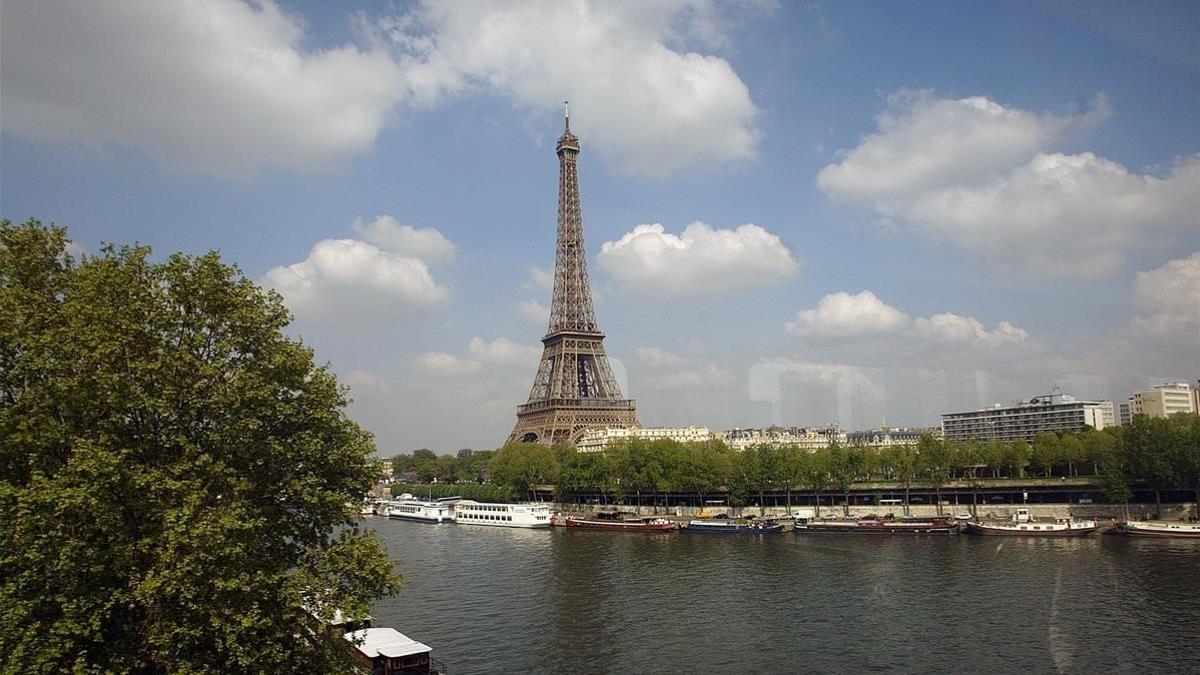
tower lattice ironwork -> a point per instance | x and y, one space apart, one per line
574 389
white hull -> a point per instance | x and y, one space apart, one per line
433 513
469 512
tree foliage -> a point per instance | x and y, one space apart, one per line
174 471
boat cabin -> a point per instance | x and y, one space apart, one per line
387 651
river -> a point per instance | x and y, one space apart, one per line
491 599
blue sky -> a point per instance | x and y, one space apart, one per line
903 209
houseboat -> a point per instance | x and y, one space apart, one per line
733 526
618 521
1159 528
387 651
437 512
881 526
470 512
1022 525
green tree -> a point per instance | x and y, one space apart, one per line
901 460
524 466
174 471
934 458
1149 443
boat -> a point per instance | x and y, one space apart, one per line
1159 528
435 512
387 651
733 526
618 521
470 512
1022 525
874 525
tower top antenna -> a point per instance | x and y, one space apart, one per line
567 113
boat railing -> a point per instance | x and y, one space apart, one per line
437 667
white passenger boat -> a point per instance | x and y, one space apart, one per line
470 512
1022 525
420 511
1159 528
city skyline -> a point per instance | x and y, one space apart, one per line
795 213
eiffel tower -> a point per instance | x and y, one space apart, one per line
574 389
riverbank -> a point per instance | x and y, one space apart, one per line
989 511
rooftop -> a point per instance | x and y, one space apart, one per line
387 642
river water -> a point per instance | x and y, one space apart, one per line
491 599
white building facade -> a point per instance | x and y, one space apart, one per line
598 440
1023 421
1161 401
809 439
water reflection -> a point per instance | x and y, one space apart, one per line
498 599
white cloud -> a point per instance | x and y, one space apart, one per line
224 86
504 351
362 382
949 327
427 244
347 279
975 174
539 280
841 315
1064 215
659 358
703 377
1167 300
667 371
648 107
441 363
926 142
533 311
702 260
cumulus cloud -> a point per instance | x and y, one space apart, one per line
364 382
426 244
533 311
504 351
224 86
347 279
666 372
659 358
1167 300
701 260
646 104
981 176
841 315
926 142
441 363
539 279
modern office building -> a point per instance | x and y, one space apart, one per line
1023 421
1161 401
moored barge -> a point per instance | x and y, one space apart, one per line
881 526
732 527
1022 525
608 522
1159 529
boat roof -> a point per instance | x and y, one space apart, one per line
387 642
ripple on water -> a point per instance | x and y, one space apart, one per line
564 601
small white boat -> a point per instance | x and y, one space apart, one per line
1022 525
470 512
420 511
1159 528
